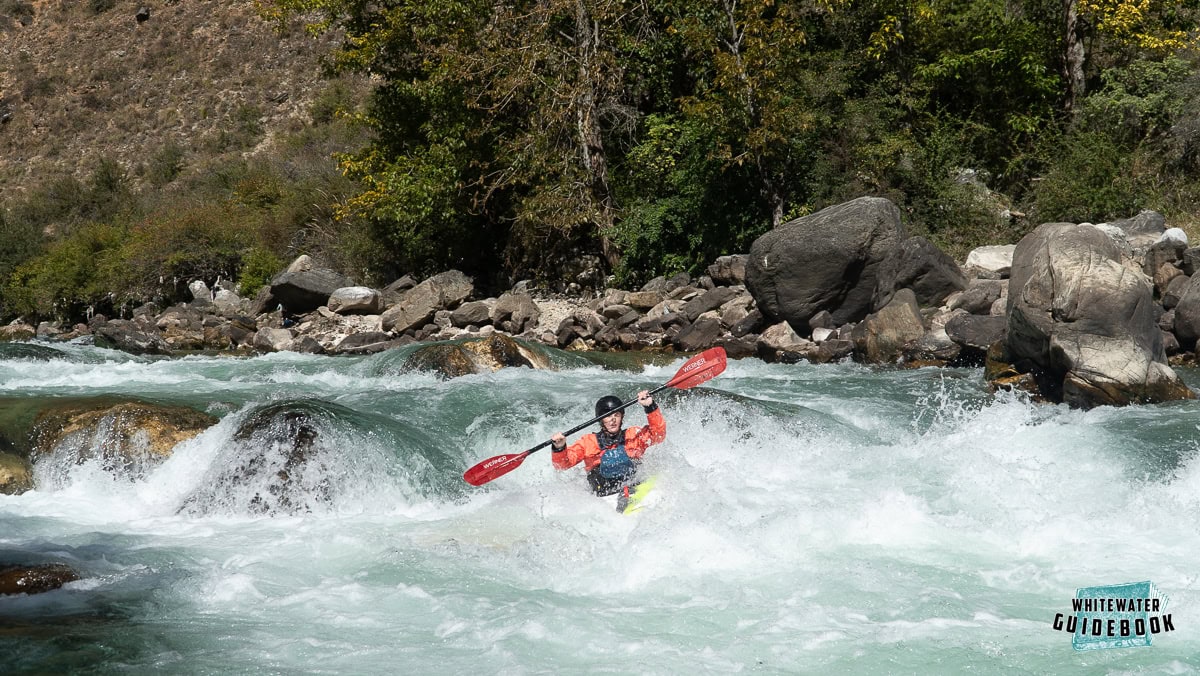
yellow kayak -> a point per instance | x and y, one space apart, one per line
637 498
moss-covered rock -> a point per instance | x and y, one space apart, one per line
129 437
15 474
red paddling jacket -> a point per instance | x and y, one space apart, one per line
614 460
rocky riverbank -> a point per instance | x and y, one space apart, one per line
1082 313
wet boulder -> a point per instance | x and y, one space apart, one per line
278 462
132 337
1081 318
781 343
15 474
273 340
127 438
35 579
976 333
475 355
829 260
17 331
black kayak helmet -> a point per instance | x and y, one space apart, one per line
607 405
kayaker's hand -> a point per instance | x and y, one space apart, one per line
644 398
558 441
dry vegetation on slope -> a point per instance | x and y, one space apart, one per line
196 82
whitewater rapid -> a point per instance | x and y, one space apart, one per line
834 518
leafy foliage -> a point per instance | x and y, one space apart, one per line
505 139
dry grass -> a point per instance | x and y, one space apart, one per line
83 81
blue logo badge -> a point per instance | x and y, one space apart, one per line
1115 616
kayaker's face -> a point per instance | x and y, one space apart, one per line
612 424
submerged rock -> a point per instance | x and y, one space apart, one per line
278 462
128 437
477 355
35 579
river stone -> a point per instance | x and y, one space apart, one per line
277 463
825 261
883 337
17 331
993 261
919 265
1084 323
128 437
305 291
475 355
355 300
15 475
35 579
515 312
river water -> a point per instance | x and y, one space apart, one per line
809 519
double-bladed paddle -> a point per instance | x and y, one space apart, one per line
699 369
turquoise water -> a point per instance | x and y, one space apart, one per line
810 519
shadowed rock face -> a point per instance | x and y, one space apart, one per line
129 437
34 579
481 355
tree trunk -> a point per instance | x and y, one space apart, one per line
1073 55
595 161
768 187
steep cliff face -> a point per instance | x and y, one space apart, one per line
150 83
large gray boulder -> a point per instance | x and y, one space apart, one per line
824 261
1081 319
991 262
355 300
304 290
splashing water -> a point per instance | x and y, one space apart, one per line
809 519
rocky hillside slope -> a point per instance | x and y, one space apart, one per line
146 82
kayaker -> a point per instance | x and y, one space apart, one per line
612 455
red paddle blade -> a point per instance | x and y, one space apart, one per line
699 369
494 468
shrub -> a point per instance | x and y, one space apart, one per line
258 267
165 165
1089 180
19 241
73 273
170 249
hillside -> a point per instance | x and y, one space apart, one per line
195 82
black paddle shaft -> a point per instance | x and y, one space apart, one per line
598 418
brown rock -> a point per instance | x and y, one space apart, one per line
35 579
